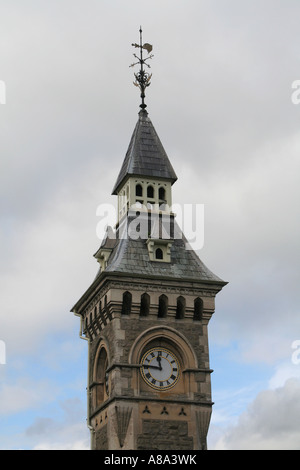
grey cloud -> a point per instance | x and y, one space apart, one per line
220 100
69 432
270 423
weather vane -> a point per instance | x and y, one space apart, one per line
142 78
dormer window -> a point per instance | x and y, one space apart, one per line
103 253
102 256
159 250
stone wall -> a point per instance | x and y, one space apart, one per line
164 435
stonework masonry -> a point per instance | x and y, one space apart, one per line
145 317
129 400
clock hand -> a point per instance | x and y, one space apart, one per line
151 367
159 362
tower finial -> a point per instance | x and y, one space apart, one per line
142 78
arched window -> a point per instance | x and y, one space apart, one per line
145 305
126 304
162 193
180 310
139 190
150 192
159 253
198 309
100 379
162 306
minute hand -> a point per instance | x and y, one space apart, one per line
151 367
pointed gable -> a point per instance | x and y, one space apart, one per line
145 155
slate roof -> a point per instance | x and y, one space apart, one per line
131 257
145 155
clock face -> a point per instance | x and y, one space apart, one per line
160 368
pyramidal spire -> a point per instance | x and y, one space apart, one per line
142 78
146 155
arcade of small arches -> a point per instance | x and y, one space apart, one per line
163 305
101 314
149 194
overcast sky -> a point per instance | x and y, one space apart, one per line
220 100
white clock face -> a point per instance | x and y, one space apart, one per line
160 368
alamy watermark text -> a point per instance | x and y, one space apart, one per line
2 352
2 92
142 223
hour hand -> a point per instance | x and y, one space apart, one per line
159 362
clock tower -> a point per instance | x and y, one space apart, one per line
145 315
